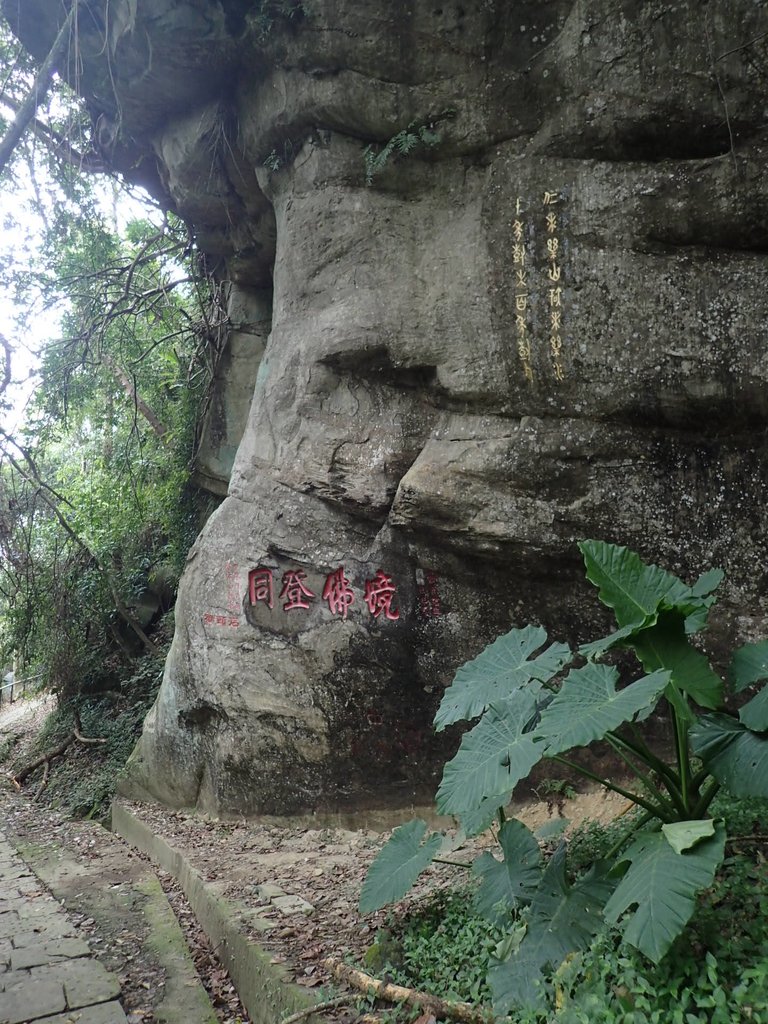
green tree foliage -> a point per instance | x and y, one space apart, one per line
113 305
528 710
101 470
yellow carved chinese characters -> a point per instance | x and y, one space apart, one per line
554 275
521 291
532 301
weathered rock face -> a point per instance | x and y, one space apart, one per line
548 325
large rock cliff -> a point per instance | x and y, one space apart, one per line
533 311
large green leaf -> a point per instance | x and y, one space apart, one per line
492 758
754 714
631 588
666 646
398 865
749 665
506 884
682 835
619 638
692 605
588 706
479 818
702 588
736 756
562 918
503 667
707 582
660 888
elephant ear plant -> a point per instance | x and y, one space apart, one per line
527 711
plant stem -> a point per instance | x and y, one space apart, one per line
643 751
699 777
451 863
684 768
635 826
653 810
706 798
653 791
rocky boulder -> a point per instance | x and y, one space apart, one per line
496 275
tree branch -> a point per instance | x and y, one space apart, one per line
59 145
31 474
6 371
43 759
129 386
40 86
397 994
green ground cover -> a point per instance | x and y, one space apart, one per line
715 973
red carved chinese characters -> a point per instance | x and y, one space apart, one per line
338 592
295 590
379 593
429 597
261 587
211 619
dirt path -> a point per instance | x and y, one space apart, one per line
24 710
244 861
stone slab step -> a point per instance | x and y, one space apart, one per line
46 972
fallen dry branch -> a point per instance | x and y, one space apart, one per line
308 1011
46 758
398 994
372 1018
85 739
43 782
43 759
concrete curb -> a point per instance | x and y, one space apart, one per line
265 988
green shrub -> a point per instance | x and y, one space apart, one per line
82 781
531 706
716 970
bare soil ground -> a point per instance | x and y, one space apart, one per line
325 867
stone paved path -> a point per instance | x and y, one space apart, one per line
46 972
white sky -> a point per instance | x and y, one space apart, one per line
20 230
